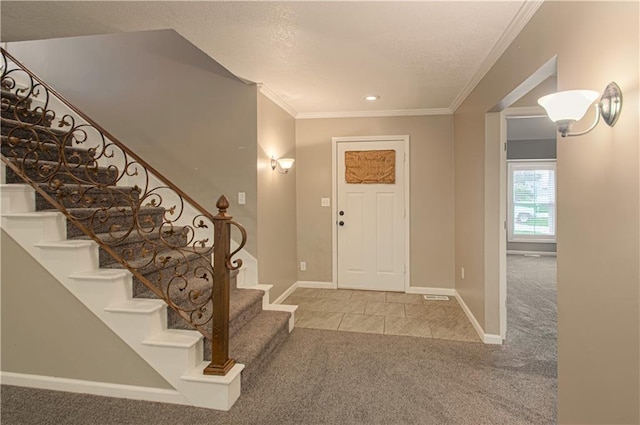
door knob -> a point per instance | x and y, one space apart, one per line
341 223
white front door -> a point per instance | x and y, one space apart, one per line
371 228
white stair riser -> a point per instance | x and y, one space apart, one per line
63 262
174 361
136 326
29 230
99 294
17 199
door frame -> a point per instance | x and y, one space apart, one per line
407 201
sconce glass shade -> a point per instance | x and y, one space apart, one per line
286 163
568 106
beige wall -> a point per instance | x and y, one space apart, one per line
598 182
174 106
546 87
276 198
431 192
47 331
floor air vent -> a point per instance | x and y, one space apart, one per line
436 298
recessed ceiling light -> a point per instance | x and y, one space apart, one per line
372 97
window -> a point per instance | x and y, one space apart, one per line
532 201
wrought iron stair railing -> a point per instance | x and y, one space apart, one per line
83 171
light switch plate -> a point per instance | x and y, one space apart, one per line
325 202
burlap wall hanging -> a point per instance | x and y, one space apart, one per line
370 167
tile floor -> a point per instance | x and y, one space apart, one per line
389 313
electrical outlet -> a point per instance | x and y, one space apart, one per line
303 266
325 202
242 198
462 272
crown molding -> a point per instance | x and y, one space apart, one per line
521 18
272 96
367 114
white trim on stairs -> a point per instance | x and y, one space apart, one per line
105 389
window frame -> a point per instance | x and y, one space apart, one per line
529 164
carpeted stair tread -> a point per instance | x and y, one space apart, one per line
43 151
247 343
244 305
45 171
177 256
241 304
87 196
11 98
119 219
125 241
121 238
22 130
168 273
24 115
258 339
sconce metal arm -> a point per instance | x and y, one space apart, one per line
595 123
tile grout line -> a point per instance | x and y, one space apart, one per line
339 323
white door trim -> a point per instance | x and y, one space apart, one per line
407 201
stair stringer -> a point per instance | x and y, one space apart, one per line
140 323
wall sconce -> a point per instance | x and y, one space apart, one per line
568 107
283 165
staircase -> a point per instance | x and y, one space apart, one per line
138 255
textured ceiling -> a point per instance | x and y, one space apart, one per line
315 58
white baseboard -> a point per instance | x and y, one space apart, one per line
486 338
431 291
286 293
91 387
492 339
540 253
412 289
319 285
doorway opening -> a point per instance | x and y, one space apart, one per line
531 283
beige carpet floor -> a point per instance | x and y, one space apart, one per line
331 377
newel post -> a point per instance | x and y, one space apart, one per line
220 361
